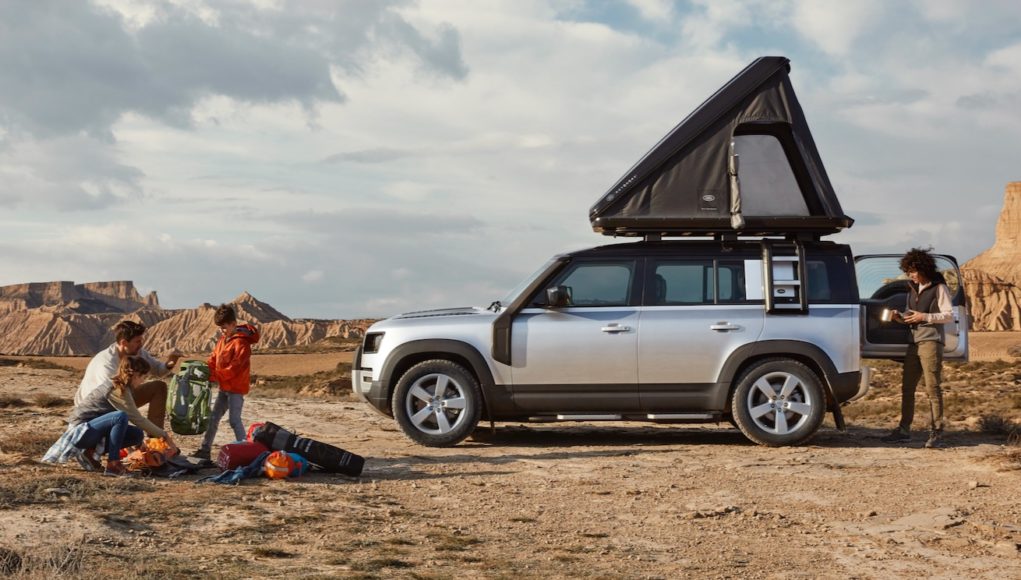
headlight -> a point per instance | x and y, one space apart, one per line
372 342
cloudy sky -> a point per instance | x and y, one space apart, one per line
358 158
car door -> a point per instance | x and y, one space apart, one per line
696 313
580 357
881 285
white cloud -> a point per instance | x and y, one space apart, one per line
835 25
312 276
464 143
658 11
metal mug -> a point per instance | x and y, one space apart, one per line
886 315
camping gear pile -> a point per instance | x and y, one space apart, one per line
277 453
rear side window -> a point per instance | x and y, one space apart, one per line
678 282
829 279
730 278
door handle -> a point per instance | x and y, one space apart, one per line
613 327
723 327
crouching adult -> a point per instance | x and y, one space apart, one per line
129 336
108 415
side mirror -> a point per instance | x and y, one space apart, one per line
558 297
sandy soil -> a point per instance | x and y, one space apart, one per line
574 500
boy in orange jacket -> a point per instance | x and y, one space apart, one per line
229 366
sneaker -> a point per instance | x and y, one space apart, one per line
201 454
935 440
897 436
88 460
116 469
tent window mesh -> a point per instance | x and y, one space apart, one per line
768 186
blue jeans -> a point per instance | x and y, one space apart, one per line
115 429
225 400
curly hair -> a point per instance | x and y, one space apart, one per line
921 261
128 368
224 314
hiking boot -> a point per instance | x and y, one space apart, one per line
897 436
935 440
202 453
114 468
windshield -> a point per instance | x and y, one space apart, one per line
506 300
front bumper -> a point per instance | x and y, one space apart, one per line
367 389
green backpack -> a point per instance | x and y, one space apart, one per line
188 398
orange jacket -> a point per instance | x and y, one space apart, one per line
231 361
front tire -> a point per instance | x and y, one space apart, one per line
437 403
778 402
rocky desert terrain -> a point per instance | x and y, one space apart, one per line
584 500
574 500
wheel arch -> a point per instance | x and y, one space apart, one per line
411 353
750 354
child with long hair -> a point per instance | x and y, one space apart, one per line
106 414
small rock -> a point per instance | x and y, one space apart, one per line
1007 548
976 484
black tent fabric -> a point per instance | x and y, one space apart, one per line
744 162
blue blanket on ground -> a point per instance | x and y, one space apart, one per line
234 476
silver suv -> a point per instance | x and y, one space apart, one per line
762 324
667 331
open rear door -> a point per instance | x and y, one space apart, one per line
881 284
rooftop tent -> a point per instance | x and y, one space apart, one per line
742 163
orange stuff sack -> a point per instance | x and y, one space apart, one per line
161 445
278 465
150 454
141 459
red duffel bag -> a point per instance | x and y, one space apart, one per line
242 453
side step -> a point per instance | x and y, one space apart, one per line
629 417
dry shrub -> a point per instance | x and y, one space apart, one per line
48 401
996 425
28 442
335 384
11 402
58 489
59 561
35 363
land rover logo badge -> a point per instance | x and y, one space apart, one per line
708 198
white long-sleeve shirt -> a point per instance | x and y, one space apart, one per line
943 301
103 367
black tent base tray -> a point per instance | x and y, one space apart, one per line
786 226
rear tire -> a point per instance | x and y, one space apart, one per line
437 403
778 402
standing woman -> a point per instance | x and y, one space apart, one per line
105 414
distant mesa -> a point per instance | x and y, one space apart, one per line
66 319
992 279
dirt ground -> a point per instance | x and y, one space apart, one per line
538 501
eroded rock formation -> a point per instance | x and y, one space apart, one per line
67 319
993 278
